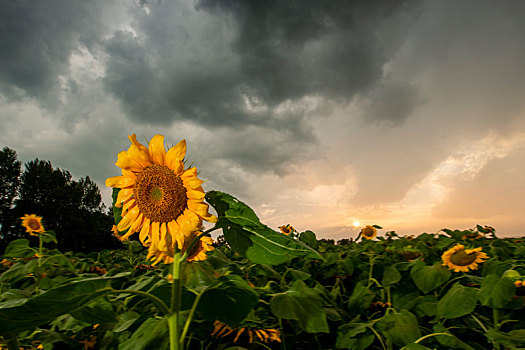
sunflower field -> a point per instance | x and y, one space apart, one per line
254 287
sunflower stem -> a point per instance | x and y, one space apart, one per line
496 325
155 300
39 249
190 316
371 259
176 342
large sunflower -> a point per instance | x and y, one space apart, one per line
459 259
33 224
369 232
159 198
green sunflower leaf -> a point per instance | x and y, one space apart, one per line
459 301
302 304
400 328
152 334
19 248
228 299
23 314
428 278
496 292
249 237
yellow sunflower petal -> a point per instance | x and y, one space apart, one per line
128 173
127 163
120 181
123 195
139 152
175 156
197 194
198 208
155 232
135 226
127 205
192 183
188 222
157 151
128 219
144 233
162 237
189 173
176 234
239 332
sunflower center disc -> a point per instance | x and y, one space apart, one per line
368 232
463 259
33 224
160 194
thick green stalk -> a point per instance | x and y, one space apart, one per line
39 248
176 291
496 325
190 317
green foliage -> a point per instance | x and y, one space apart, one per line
19 248
21 314
459 301
400 328
249 237
364 295
309 238
152 334
302 304
428 278
228 299
496 292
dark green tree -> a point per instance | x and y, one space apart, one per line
9 183
73 209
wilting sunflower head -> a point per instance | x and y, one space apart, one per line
222 330
286 229
159 198
369 232
33 224
459 259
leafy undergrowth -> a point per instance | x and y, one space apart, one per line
260 289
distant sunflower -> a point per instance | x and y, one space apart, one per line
222 330
33 224
159 199
286 229
369 232
459 259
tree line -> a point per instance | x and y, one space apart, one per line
73 209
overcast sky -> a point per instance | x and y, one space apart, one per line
320 114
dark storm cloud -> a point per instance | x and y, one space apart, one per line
269 52
36 41
389 101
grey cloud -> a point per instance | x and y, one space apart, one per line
270 51
36 41
390 101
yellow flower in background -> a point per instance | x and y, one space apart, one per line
33 224
369 232
459 259
159 198
286 229
222 330
197 253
